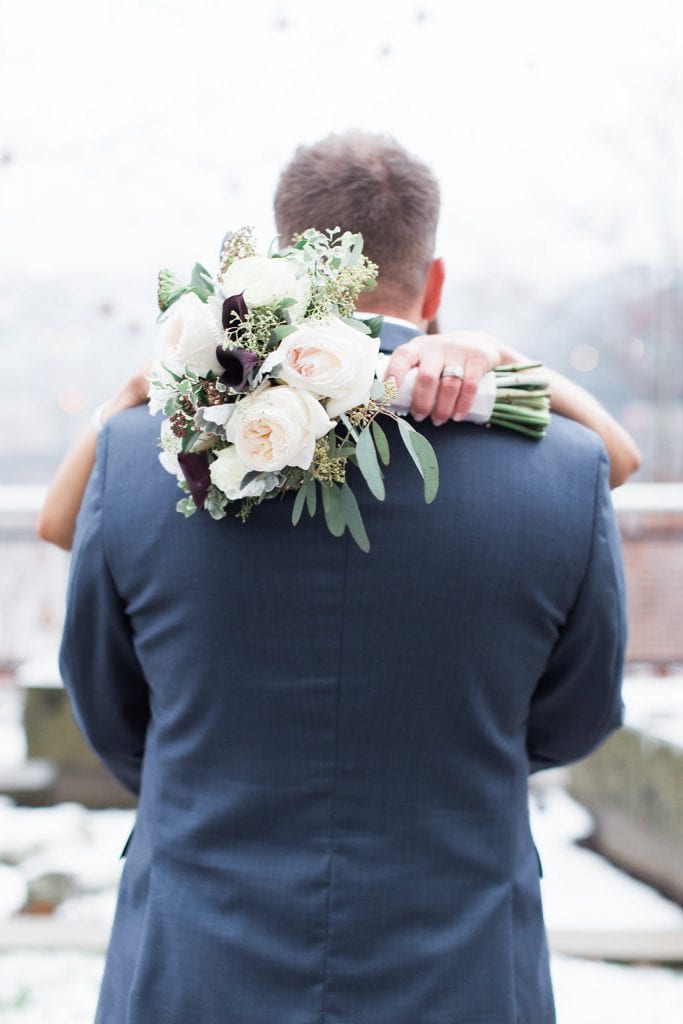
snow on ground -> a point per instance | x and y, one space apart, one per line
585 992
582 890
655 706
596 993
49 987
73 853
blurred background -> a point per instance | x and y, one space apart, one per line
132 136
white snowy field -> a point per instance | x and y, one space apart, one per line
586 993
69 854
74 851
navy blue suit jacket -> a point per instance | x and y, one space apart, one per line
332 748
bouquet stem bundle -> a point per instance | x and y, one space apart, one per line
522 400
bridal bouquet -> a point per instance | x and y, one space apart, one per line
268 384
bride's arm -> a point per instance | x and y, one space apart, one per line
570 399
57 520
476 353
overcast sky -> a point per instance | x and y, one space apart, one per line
133 133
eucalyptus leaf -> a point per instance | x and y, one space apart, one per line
381 442
368 464
200 282
281 332
298 504
253 474
189 440
360 325
173 297
176 377
424 457
354 520
311 496
375 325
345 451
334 509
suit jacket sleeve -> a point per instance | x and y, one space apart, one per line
577 702
100 668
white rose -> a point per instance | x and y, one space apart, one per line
169 460
329 359
265 282
277 427
227 472
188 337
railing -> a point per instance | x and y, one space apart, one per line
33 577
32 580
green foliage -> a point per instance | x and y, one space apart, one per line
311 495
279 334
358 325
366 457
186 506
381 442
353 518
333 508
424 457
298 505
375 325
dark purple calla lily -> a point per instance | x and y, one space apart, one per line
237 364
234 309
195 467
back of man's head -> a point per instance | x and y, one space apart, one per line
358 181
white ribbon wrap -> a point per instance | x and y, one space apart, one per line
481 409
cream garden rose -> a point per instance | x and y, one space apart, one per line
227 472
265 282
277 427
188 337
329 359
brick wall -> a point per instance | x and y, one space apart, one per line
653 556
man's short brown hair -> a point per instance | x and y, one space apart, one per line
368 183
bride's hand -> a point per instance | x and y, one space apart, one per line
449 397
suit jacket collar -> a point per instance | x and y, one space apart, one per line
394 334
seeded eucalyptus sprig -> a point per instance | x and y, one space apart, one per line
338 270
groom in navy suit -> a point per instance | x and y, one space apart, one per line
331 748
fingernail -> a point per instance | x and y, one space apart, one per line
438 423
418 418
457 417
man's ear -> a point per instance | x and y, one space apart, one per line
431 299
